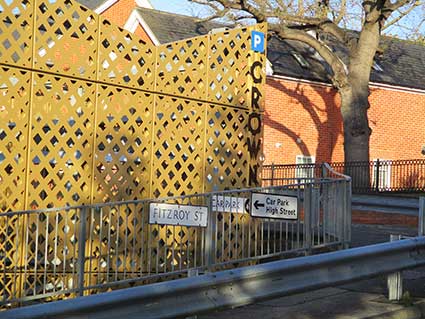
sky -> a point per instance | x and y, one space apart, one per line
191 9
179 6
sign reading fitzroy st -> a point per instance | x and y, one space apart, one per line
181 215
274 206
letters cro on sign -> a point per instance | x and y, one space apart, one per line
179 215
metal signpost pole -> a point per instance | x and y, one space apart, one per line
421 220
82 250
395 280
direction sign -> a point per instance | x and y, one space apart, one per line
228 204
274 206
174 214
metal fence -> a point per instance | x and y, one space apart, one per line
367 177
61 253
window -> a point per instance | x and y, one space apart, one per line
377 67
300 59
304 168
383 169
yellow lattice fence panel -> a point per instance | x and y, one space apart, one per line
65 38
16 32
178 148
226 164
125 59
14 114
90 113
182 67
228 74
123 144
61 142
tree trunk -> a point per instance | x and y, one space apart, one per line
354 105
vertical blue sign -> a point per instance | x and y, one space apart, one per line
257 41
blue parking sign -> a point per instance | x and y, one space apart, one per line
257 41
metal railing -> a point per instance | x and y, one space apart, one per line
179 298
367 177
61 253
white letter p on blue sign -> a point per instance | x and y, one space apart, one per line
257 41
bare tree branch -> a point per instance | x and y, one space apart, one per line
338 67
402 14
342 13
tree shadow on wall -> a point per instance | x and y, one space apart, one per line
328 129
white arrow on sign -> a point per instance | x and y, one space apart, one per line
274 206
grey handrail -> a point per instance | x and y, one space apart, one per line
236 287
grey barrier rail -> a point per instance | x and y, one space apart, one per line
179 298
74 251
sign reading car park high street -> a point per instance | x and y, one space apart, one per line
274 206
174 214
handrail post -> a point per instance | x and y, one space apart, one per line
377 176
395 280
210 231
348 213
421 220
324 171
82 249
308 212
272 177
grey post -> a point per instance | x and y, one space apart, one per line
272 175
210 231
421 226
347 214
324 171
395 280
82 249
308 212
192 273
377 176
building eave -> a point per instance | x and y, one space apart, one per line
371 84
134 20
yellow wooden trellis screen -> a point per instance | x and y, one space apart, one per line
90 113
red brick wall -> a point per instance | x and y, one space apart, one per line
398 124
141 33
119 12
302 118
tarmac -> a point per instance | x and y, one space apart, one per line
386 204
360 300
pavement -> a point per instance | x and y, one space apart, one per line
363 299
386 204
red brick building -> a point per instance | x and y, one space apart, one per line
302 120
